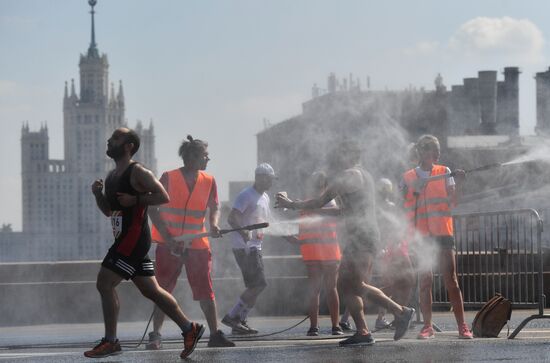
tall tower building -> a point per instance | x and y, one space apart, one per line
59 212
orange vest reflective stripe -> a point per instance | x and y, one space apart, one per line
186 212
318 240
429 211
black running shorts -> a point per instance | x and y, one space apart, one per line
128 266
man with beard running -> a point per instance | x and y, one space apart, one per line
355 189
129 190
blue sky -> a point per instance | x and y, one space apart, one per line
216 69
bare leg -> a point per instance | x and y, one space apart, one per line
448 269
379 298
354 304
210 313
107 280
402 288
167 303
168 268
333 301
345 315
315 274
158 319
425 296
381 313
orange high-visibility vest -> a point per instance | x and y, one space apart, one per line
429 211
186 212
318 240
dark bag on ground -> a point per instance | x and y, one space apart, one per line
492 317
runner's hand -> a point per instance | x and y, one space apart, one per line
126 200
97 187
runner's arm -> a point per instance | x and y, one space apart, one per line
100 198
153 193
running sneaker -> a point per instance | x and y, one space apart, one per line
336 330
426 333
104 349
313 332
191 338
464 332
235 325
345 325
155 341
219 340
382 323
402 322
357 339
250 330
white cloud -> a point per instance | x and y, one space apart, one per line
487 39
519 39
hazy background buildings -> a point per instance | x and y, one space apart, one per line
60 216
225 71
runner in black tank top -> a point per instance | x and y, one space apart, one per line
130 188
128 255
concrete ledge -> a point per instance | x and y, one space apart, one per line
65 292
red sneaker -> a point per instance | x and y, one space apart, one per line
104 349
191 338
464 332
427 332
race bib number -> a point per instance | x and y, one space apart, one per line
116 223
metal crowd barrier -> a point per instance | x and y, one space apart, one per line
498 252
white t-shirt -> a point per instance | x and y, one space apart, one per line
255 209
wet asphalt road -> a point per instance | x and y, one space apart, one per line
66 343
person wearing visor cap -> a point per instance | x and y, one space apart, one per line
251 206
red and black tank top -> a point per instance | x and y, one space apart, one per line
130 224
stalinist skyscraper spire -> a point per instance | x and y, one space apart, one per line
59 212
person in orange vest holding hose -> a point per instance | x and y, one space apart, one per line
428 209
192 192
321 254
